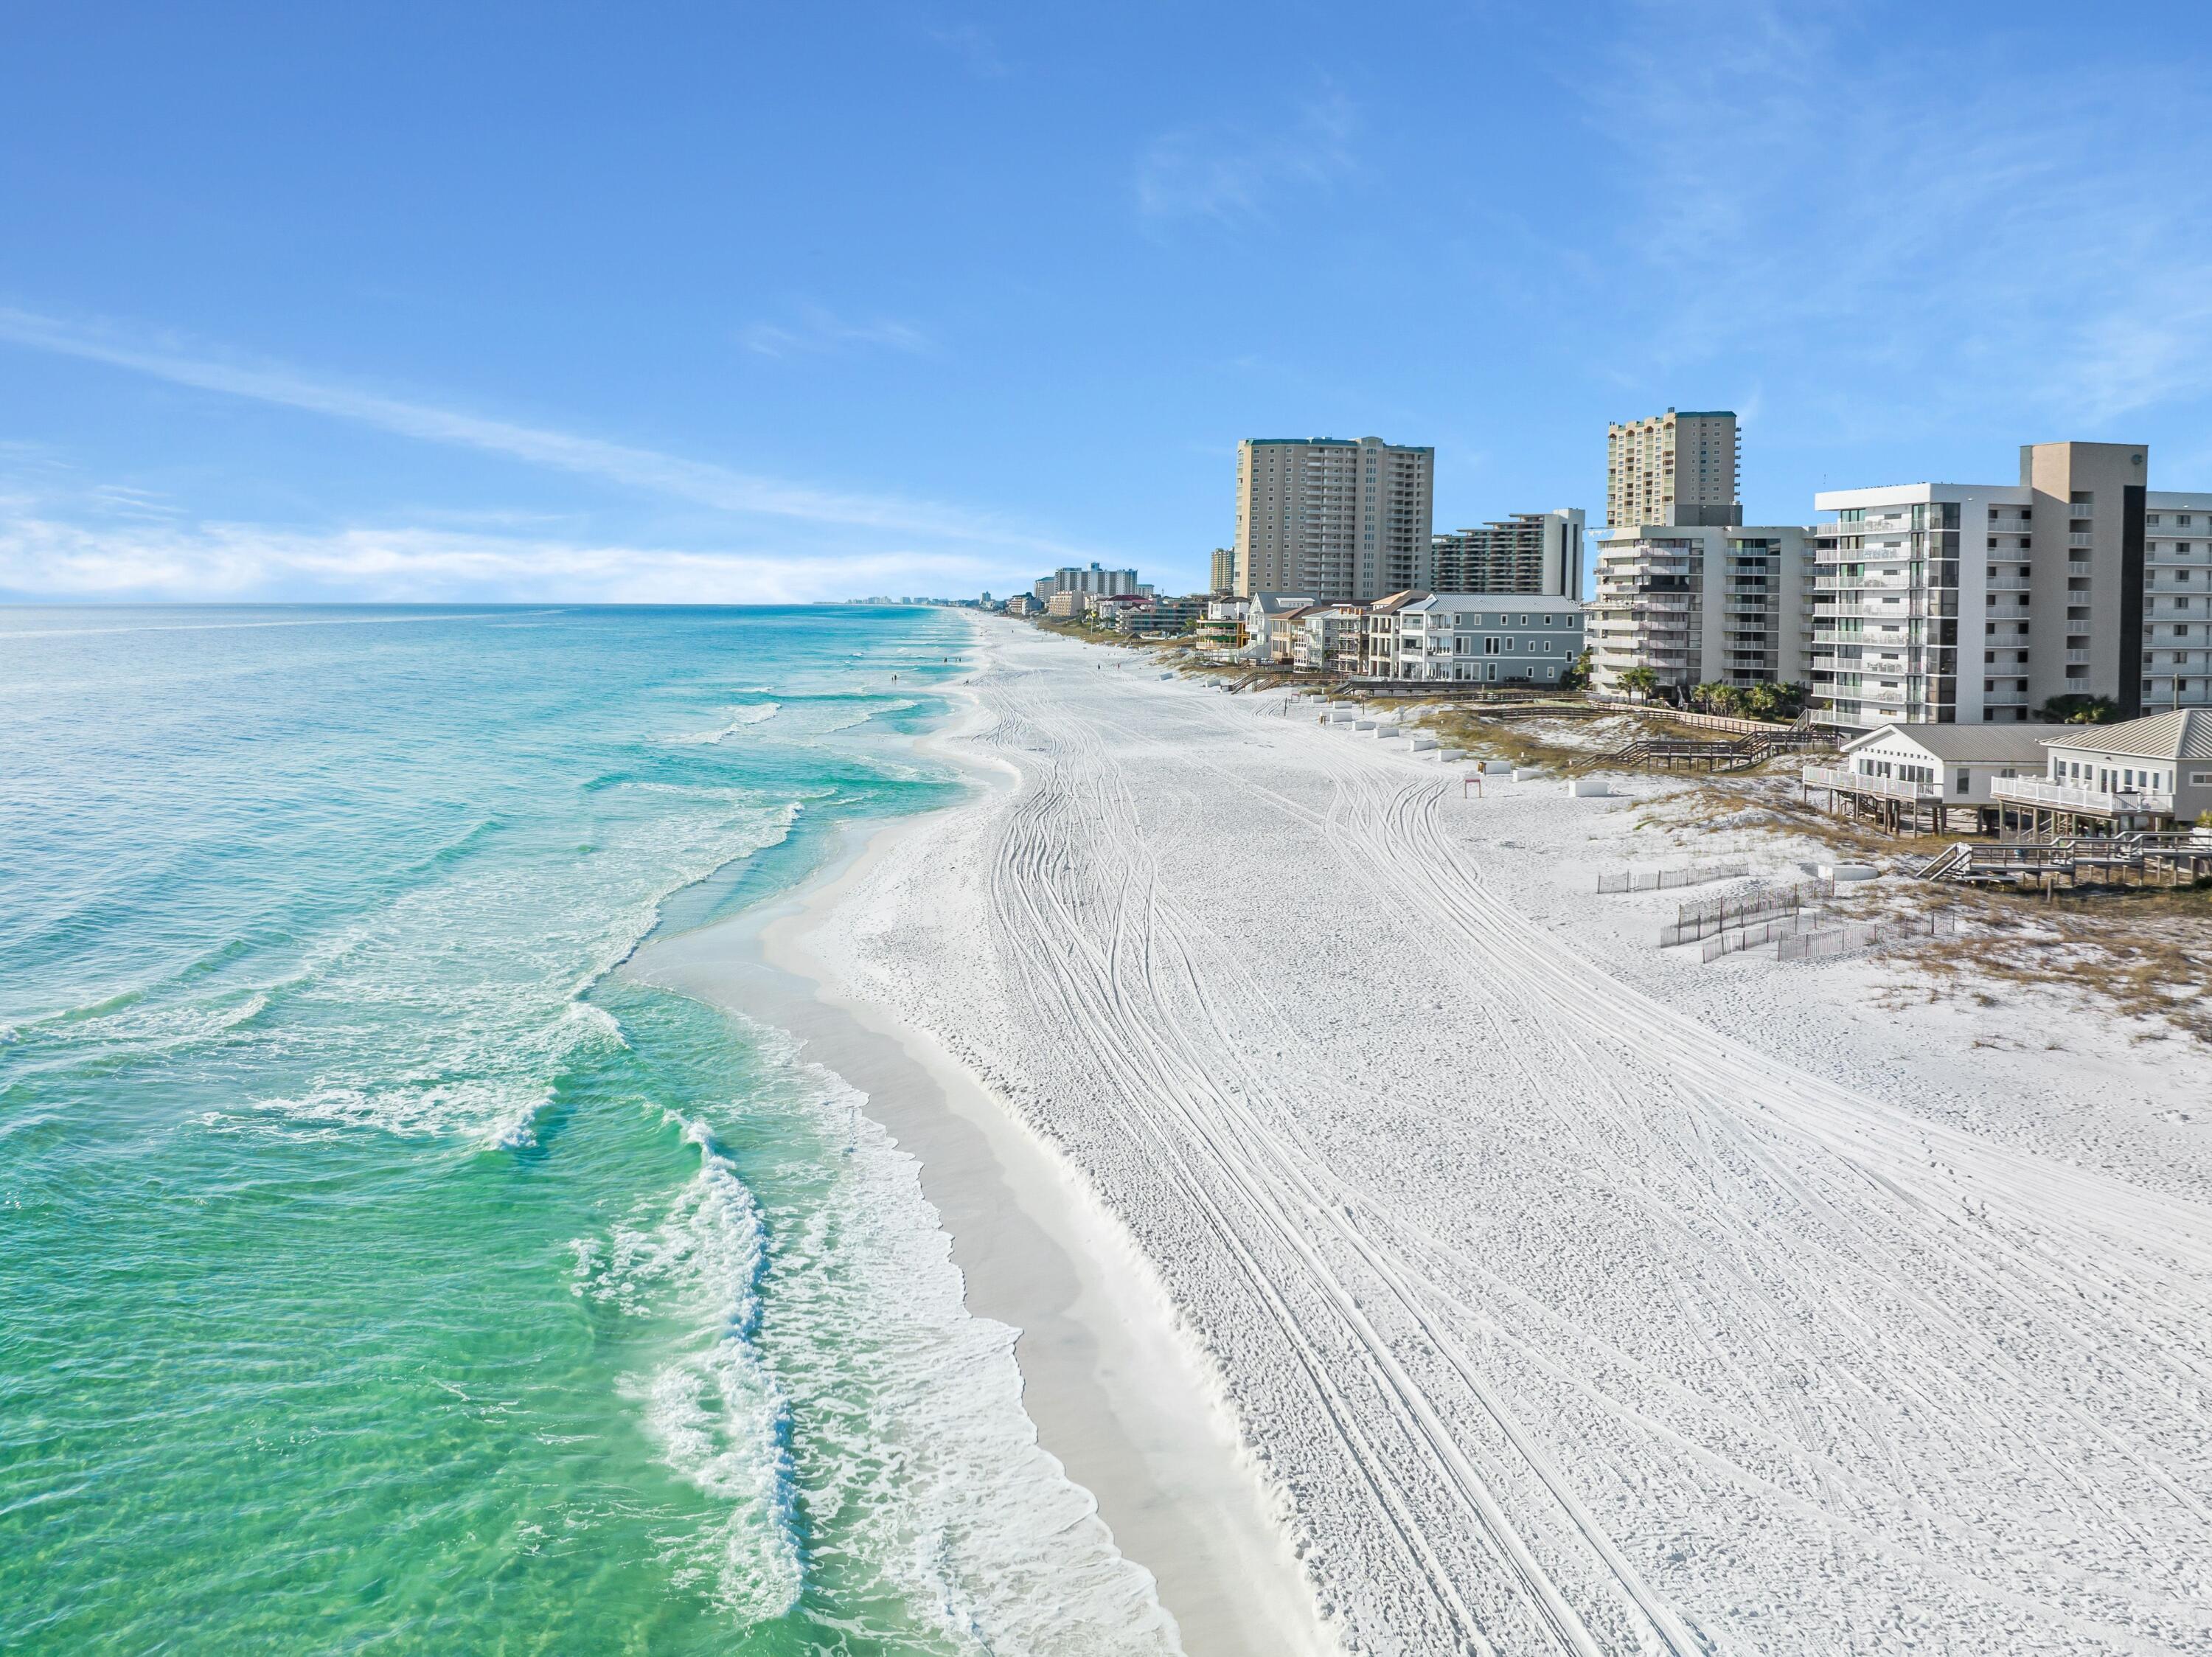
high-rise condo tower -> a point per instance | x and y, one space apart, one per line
1673 469
1337 519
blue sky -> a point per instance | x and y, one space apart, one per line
734 302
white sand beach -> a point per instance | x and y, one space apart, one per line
1411 1258
1570 1297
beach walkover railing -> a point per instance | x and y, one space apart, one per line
2040 792
1843 779
1713 753
1799 733
1708 916
2176 858
1660 879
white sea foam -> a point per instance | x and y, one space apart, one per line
759 713
942 1500
504 1031
860 716
711 1407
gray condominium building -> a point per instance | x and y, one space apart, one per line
1978 603
1702 604
1334 518
1538 554
1684 588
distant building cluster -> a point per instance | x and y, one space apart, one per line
2077 588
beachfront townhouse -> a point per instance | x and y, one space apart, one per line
1925 777
1325 638
1221 632
1490 638
1268 624
2149 773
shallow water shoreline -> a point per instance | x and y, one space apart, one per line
1118 1394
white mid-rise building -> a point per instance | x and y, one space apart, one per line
1702 604
1981 603
1539 553
1338 519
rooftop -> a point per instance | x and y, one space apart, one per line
2182 734
1339 443
1969 743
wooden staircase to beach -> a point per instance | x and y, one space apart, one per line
2168 860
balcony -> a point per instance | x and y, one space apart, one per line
2007 584
1888 788
2094 802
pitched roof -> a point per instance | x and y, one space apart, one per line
1411 596
2180 733
1989 744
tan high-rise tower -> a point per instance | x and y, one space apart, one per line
1333 518
1673 469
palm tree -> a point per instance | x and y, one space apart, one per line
1640 681
2080 711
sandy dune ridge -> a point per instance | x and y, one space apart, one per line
1559 1320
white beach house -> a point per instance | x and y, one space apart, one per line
1914 776
2141 774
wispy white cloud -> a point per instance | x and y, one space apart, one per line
1227 172
647 471
46 558
973 45
1979 225
816 331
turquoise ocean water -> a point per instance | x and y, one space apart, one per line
378 1273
